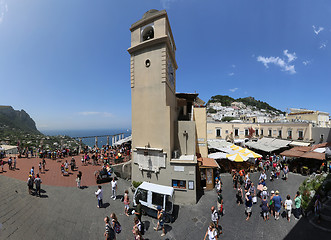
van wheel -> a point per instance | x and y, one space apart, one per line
167 218
143 212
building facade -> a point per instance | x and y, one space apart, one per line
318 118
231 131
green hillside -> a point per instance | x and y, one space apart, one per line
248 101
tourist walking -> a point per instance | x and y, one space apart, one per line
138 224
215 219
248 204
239 195
137 234
160 222
1 163
38 182
211 232
44 164
30 184
99 196
126 202
39 167
109 231
285 170
265 208
78 181
288 207
220 203
10 161
113 185
115 224
317 208
14 163
137 210
297 204
277 200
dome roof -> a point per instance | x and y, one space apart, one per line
150 13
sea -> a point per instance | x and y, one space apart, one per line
90 133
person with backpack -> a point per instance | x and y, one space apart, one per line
220 203
211 232
138 225
115 224
160 218
109 231
215 218
38 182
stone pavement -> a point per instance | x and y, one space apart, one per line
71 213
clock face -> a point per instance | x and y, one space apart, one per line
171 73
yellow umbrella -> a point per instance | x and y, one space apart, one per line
252 155
245 150
237 157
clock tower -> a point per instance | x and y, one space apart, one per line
155 134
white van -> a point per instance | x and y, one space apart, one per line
152 195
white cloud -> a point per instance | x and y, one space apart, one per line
233 65
291 56
283 64
306 62
317 31
3 9
102 114
231 74
166 3
323 45
233 89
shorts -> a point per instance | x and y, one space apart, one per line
277 208
248 209
126 206
161 223
265 214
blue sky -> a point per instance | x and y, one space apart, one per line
66 62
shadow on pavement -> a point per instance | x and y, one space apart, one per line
105 205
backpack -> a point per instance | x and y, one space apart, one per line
117 227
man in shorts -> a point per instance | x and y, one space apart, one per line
160 218
248 204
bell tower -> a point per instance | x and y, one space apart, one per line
153 95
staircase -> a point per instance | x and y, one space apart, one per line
324 222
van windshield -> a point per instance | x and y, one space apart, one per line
142 194
157 199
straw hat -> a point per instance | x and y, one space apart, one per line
265 188
277 192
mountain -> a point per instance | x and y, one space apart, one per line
14 120
248 101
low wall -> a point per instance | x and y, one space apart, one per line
123 170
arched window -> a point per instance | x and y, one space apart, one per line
147 33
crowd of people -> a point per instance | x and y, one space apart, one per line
247 193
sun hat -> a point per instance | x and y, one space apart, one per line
272 191
277 192
247 193
265 188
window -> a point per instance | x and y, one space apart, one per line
289 134
300 134
147 32
246 132
179 184
261 132
157 199
269 132
257 132
236 132
279 133
218 132
142 194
